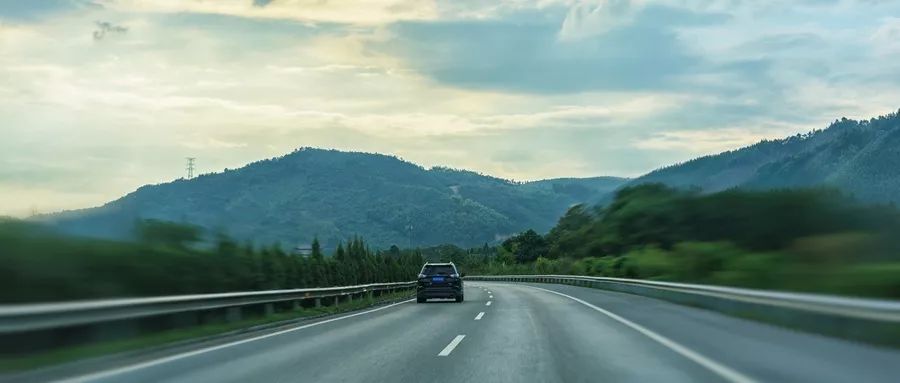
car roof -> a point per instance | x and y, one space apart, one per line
439 263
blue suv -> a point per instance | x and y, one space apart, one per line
439 280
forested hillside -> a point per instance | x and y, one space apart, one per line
335 195
815 240
859 157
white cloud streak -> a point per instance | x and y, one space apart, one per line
369 12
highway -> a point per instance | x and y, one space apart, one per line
521 333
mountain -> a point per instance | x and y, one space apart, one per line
861 158
335 195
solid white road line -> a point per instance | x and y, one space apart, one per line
151 363
478 317
719 369
453 343
488 303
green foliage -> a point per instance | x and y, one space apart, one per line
802 240
527 246
657 215
36 264
564 238
317 249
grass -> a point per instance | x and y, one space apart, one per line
73 353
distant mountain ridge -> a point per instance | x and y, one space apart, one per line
861 158
334 195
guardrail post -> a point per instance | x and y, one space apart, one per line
318 302
233 314
269 309
298 304
370 295
350 298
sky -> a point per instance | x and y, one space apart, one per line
100 97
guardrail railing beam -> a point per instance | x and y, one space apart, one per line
868 320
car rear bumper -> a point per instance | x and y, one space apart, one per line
438 292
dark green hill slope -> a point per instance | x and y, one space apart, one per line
858 157
335 195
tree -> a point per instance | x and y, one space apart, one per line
568 235
527 246
339 254
316 249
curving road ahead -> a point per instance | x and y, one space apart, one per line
522 333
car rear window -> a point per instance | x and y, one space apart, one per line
438 270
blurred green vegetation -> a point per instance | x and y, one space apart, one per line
812 240
37 264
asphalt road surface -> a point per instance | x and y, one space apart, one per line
523 333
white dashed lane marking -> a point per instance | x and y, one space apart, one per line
453 343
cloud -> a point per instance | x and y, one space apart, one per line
586 19
369 12
702 142
887 37
544 57
31 11
518 89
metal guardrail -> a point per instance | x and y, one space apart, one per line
870 320
850 307
44 316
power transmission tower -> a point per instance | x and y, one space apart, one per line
409 228
190 167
